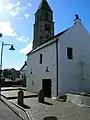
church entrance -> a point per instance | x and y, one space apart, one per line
46 85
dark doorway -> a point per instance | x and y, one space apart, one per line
46 85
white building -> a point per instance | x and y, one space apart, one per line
60 63
23 71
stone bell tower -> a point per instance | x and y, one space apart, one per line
44 25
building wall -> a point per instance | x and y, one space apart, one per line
23 75
34 80
74 75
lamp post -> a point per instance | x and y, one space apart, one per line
11 48
2 46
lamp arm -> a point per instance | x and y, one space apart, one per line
4 44
7 44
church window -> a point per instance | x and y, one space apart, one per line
46 16
31 71
41 56
70 53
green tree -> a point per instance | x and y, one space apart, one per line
6 73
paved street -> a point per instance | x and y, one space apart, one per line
56 110
51 110
6 113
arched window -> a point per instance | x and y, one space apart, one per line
46 16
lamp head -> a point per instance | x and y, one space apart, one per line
12 48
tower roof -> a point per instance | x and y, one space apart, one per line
44 5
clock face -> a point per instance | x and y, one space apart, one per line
46 33
48 28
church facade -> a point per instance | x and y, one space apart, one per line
58 63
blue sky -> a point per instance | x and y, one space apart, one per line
17 19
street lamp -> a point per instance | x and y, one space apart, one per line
11 48
2 46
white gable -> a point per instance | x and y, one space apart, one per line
73 71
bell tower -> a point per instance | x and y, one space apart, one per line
44 25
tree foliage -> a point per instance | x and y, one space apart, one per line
6 73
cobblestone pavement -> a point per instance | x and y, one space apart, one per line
6 113
56 110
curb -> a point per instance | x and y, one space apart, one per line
26 111
7 104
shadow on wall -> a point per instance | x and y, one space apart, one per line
50 118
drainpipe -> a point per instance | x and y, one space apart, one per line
57 66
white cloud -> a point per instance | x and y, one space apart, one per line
14 9
26 15
27 49
29 4
6 29
24 8
18 3
20 18
23 39
3 5
9 6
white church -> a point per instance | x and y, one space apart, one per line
58 63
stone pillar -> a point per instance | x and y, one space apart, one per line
20 97
41 96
